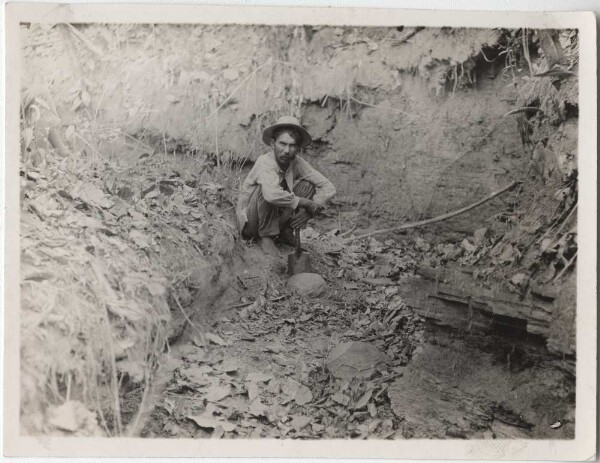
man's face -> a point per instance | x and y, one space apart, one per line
285 148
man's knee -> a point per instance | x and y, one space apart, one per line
305 189
262 217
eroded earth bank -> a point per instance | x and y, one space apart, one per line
158 321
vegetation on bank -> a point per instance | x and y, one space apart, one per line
132 147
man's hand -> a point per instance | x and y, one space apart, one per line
311 207
300 219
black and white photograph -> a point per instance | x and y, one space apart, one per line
301 232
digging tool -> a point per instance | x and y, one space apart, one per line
298 261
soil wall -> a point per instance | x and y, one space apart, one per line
407 121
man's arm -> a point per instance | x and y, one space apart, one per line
324 192
271 189
324 188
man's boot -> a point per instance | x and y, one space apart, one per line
268 246
286 236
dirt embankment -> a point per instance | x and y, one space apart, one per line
151 133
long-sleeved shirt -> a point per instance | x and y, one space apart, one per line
267 173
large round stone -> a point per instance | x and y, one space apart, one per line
307 284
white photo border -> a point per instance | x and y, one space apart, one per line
583 447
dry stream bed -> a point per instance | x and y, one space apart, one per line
260 361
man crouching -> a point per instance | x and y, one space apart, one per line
282 191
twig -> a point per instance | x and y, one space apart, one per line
408 36
243 304
389 108
188 318
522 110
348 232
524 38
114 375
439 218
238 87
85 40
132 427
88 144
560 227
135 139
565 268
387 378
485 57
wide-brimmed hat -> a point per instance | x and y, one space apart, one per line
287 122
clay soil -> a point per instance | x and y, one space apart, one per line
161 127
255 363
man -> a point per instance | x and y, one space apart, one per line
282 191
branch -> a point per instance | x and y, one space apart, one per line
85 40
406 37
439 218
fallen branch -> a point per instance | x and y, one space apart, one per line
244 304
407 37
348 232
565 268
200 333
523 110
439 218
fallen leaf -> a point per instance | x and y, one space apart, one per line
299 422
63 417
372 409
229 366
139 238
305 317
258 377
215 339
253 390
135 369
256 433
468 246
556 425
257 408
317 427
303 396
195 355
274 386
545 244
364 400
216 393
156 289
480 236
519 279
168 406
92 195
293 390
273 348
340 398
211 423
211 409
